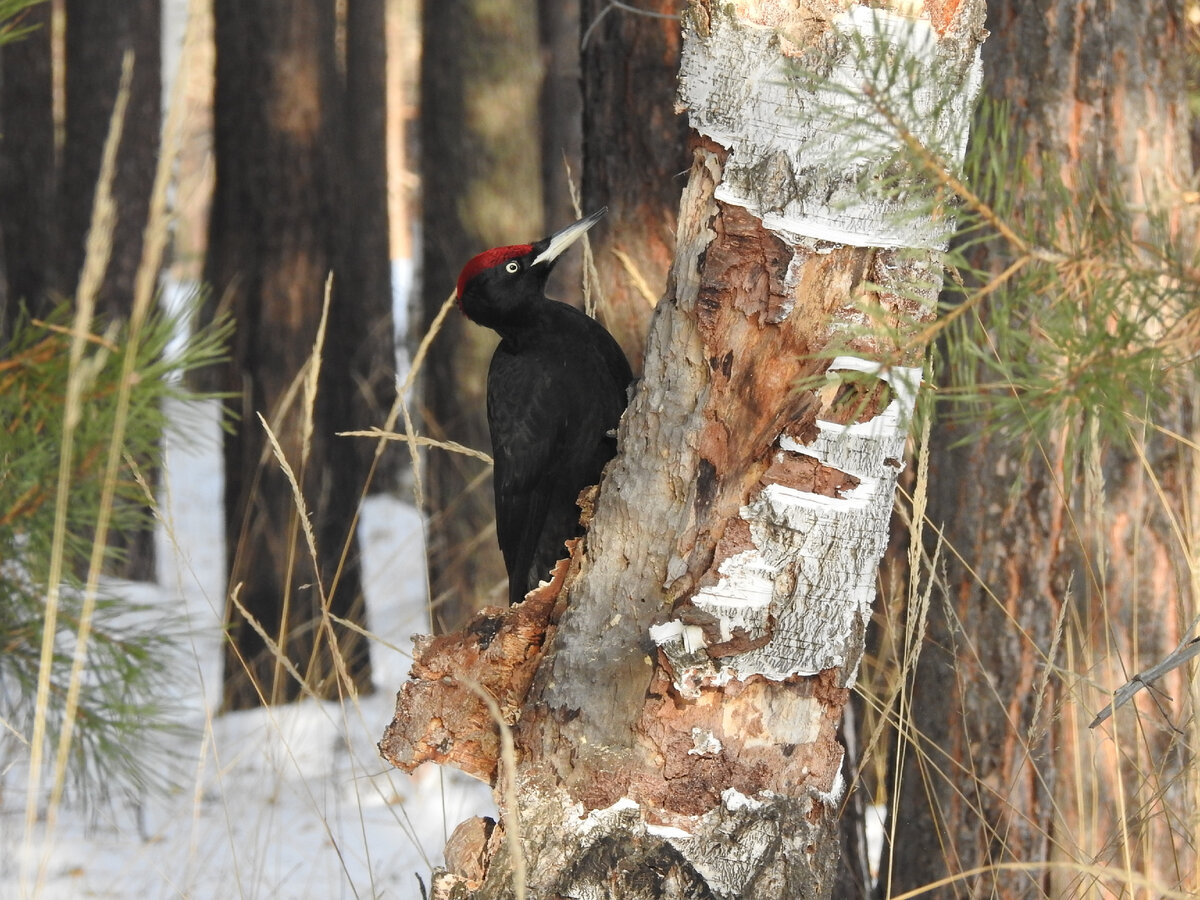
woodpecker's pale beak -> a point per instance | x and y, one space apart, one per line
561 240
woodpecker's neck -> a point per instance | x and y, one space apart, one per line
526 323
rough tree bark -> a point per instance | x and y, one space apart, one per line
560 113
98 34
673 697
27 170
1006 769
46 195
47 192
278 146
634 157
480 180
363 324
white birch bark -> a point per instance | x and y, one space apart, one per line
797 154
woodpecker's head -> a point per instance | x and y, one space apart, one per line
500 286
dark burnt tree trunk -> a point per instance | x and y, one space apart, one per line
27 171
364 323
47 193
634 157
480 178
560 112
98 35
1002 770
280 149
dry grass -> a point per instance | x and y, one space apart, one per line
1121 801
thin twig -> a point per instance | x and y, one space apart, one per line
420 440
1146 677
508 759
625 7
636 276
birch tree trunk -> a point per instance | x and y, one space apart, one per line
672 699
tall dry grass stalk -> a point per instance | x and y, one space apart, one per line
98 251
96 260
1119 841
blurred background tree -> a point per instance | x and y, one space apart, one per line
479 138
527 119
300 198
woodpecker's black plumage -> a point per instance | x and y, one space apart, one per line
555 392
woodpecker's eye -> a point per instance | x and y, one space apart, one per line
513 267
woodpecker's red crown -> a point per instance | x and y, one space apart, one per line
486 260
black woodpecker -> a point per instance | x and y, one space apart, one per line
556 389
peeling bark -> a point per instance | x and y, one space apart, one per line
442 715
679 736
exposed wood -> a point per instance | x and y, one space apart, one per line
440 713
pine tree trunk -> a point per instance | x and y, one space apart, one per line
480 179
98 34
364 286
634 152
674 697
271 247
560 114
1006 769
46 197
27 171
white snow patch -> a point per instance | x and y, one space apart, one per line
691 636
833 797
669 832
600 817
704 743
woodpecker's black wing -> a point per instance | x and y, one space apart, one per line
554 396
522 421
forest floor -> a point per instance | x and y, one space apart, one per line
290 802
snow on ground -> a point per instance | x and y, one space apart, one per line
290 802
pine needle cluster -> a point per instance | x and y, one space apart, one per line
127 680
12 24
1090 328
